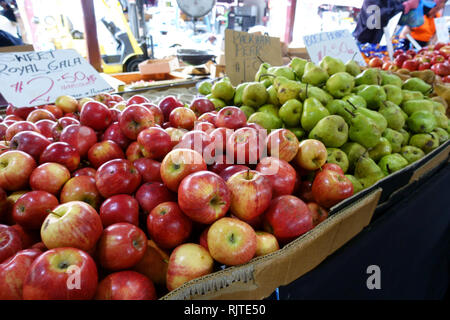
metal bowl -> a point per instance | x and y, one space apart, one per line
195 57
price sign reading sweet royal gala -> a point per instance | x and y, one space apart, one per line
337 44
38 78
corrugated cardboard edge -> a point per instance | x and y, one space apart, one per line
260 277
436 160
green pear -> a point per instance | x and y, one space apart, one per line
411 153
382 149
273 96
352 67
286 89
411 95
298 66
332 65
377 117
340 84
442 134
358 88
392 163
405 135
282 71
270 108
364 130
254 95
218 103
412 106
422 122
393 115
262 75
308 91
438 106
291 112
354 151
395 138
299 132
393 93
223 89
337 156
314 75
331 130
367 171
390 79
374 96
425 141
266 119
417 84
357 186
205 87
239 94
339 107
312 112
355 100
371 76
247 110
441 119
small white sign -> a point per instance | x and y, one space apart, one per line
338 44
36 78
441 30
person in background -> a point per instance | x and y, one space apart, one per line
8 11
7 39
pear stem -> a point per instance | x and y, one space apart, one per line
354 107
266 75
306 93
351 113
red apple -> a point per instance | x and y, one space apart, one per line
168 226
280 173
411 64
10 242
246 146
204 126
168 104
201 106
15 170
154 264
204 197
27 236
134 152
283 144
62 153
134 119
231 117
151 194
61 274
220 163
333 167
67 104
137 99
22 113
199 141
265 243
178 164
219 137
30 142
40 114
156 112
319 214
251 193
49 177
83 189
19 126
56 111
114 133
208 117
311 155
188 261
117 176
45 128
126 285
203 239
331 187
441 69
182 117
4 204
3 128
375 62
176 134
95 115
61 124
119 208
13 272
72 224
87 171
437 59
155 143
231 241
80 137
31 209
287 218
149 169
121 246
104 151
231 170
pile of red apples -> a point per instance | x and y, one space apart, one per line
106 198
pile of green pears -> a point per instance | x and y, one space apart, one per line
372 122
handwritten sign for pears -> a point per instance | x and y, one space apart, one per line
35 78
337 44
244 53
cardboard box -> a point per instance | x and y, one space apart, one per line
23 48
298 52
158 66
260 277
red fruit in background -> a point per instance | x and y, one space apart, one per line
117 176
10 242
411 65
280 174
305 191
15 170
168 226
27 236
22 112
204 126
176 134
13 272
115 113
208 117
201 106
154 264
437 59
49 177
90 172
156 112
30 142
167 105
137 99
150 194
411 52
287 218
220 163
3 128
400 59
121 246
95 115
155 143
229 171
134 152
126 285
446 79
397 53
134 119
19 126
56 111
246 146
67 104
331 187
61 124
231 117
333 167
441 69
114 133
62 153
83 189
31 209
40 114
220 137
203 239
104 151
199 141
204 197
319 214
48 277
182 117
4 204
45 128
375 62
149 169
424 66
80 137
282 144
119 208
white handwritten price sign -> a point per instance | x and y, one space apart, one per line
441 30
38 77
337 44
